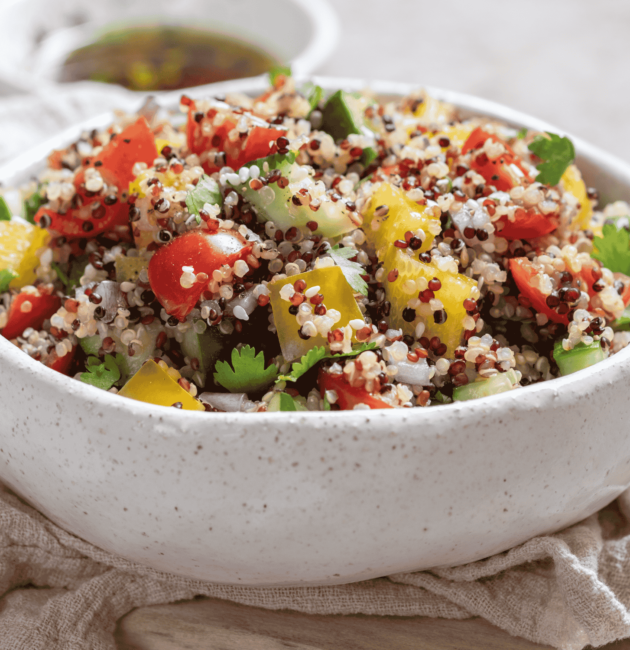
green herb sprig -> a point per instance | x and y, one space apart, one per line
613 249
556 152
247 372
352 271
317 354
102 374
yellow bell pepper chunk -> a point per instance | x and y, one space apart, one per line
160 143
152 384
572 182
455 289
18 244
433 111
404 216
168 179
456 133
128 268
338 295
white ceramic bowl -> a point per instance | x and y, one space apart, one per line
318 498
38 35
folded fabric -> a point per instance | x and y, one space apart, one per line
28 120
567 590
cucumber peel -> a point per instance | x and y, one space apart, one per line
498 384
205 347
342 117
622 324
128 365
273 203
580 357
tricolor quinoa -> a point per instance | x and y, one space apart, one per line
295 251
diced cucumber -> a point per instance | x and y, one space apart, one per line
623 322
130 365
206 347
284 402
343 116
206 191
273 203
498 384
580 357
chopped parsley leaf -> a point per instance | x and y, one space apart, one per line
352 271
613 249
315 355
556 152
102 374
247 373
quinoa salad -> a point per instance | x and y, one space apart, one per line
304 250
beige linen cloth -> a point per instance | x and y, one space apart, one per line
58 592
567 590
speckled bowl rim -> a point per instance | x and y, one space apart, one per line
187 422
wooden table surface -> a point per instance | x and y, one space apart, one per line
211 624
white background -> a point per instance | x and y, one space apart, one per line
564 61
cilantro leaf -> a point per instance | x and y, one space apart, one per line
613 249
206 191
32 204
278 70
287 403
6 275
5 213
522 133
102 375
315 355
308 360
247 373
326 403
352 271
558 153
314 94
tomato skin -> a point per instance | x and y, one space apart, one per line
591 273
255 145
61 364
494 171
348 396
43 307
528 225
205 253
119 156
589 277
522 271
135 144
